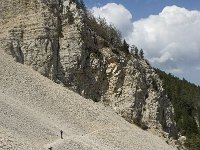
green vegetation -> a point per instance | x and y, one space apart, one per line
135 52
140 124
185 98
193 143
101 29
125 47
80 4
141 53
109 33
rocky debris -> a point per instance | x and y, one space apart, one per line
34 110
8 141
51 37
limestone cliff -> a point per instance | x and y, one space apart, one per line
50 36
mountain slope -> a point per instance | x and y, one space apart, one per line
185 98
63 42
34 110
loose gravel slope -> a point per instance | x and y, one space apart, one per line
34 109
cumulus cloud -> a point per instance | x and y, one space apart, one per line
173 35
197 68
117 15
171 39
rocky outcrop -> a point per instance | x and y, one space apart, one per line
52 38
42 35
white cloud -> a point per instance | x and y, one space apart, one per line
117 15
175 70
175 32
197 68
171 39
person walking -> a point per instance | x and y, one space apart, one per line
61 134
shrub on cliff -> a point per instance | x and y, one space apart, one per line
101 28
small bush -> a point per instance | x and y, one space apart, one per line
193 143
154 83
108 32
140 124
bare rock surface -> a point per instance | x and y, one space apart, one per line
34 110
52 37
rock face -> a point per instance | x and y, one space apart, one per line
50 36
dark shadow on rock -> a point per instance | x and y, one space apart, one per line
16 51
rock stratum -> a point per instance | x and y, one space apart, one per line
52 37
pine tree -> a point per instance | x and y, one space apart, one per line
125 47
81 4
136 51
185 98
141 53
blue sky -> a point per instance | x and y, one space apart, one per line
167 30
144 8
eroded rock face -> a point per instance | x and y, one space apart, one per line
40 34
49 36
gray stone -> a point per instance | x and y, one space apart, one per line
40 34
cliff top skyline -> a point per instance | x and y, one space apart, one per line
168 31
